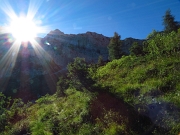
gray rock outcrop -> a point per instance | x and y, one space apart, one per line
90 45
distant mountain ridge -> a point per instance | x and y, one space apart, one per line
89 45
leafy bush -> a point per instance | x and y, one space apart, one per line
136 49
164 44
79 74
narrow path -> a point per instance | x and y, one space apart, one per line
105 102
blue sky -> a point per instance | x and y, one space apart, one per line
130 18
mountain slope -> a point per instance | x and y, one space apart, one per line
150 83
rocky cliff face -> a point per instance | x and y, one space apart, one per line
64 47
127 43
90 45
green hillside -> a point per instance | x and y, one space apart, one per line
111 99
149 80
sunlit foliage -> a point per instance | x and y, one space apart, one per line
146 79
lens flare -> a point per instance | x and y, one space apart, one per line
23 29
17 59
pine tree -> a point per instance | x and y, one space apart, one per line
114 47
169 22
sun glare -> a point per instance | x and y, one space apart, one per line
23 29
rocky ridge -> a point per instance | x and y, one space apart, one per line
90 45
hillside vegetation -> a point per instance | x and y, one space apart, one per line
150 81
81 106
156 71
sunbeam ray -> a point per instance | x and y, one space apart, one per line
34 5
8 10
7 63
48 65
24 29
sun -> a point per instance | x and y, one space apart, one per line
23 29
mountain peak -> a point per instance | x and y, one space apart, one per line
56 32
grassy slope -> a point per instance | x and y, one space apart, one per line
129 78
130 75
150 83
66 115
52 114
153 78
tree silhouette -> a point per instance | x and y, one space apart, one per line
169 22
114 47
